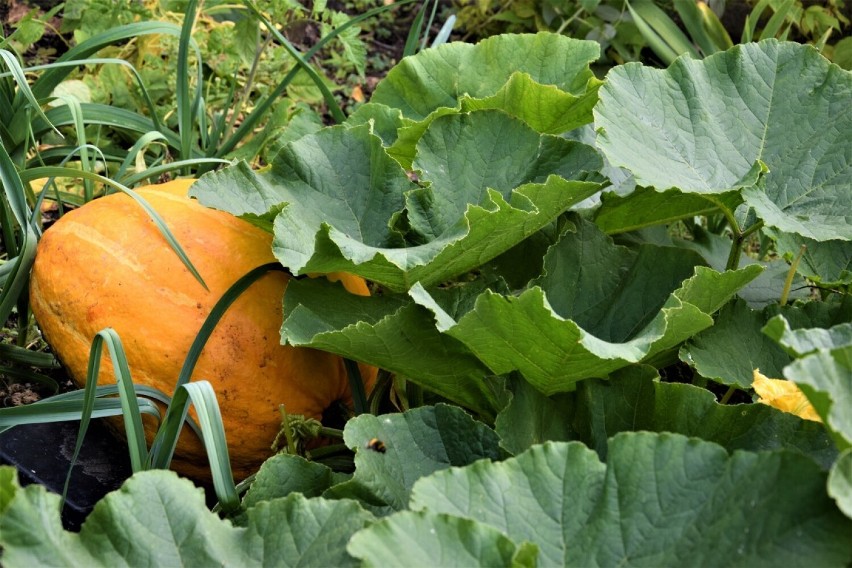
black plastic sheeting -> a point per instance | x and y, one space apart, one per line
42 454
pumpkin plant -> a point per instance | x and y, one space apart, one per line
579 318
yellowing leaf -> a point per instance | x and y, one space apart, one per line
783 395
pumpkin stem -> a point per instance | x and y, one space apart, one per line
297 430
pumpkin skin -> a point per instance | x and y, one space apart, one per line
106 265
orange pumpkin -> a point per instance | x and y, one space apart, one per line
106 265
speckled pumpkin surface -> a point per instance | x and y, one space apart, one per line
106 265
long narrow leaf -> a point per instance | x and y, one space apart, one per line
18 276
414 32
333 107
752 19
445 31
105 115
664 26
213 433
156 171
23 86
657 44
250 121
425 42
132 417
74 64
73 105
164 444
28 357
52 171
57 73
184 101
50 410
693 19
773 26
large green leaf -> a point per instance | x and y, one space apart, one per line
597 308
428 539
764 290
416 443
799 342
633 400
827 262
490 181
703 126
840 482
734 347
440 77
283 474
826 379
157 519
390 332
660 500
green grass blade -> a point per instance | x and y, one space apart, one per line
17 278
773 26
156 171
425 41
57 73
163 447
80 129
23 88
445 31
657 44
752 19
667 29
105 115
714 28
53 171
184 99
327 96
248 124
693 19
74 64
27 357
49 410
414 32
213 433
127 395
